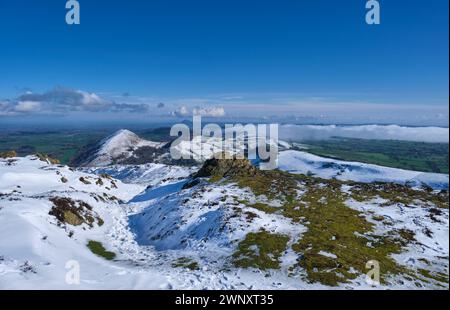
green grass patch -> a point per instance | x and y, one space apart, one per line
185 262
273 184
98 249
261 207
260 250
436 276
335 228
397 194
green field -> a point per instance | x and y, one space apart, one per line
419 156
60 145
64 145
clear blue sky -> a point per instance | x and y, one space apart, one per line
167 50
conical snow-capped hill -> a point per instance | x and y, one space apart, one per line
122 147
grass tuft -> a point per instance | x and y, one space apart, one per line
260 250
98 249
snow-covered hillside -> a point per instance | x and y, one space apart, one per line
125 147
35 246
305 163
202 148
38 251
31 176
150 175
117 148
168 229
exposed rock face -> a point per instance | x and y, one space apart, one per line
74 213
9 154
46 158
220 168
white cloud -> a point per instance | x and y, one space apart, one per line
65 100
27 106
181 112
209 112
184 111
90 98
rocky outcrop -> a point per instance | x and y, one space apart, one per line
220 168
46 158
8 154
75 213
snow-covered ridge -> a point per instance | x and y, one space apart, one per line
31 176
123 141
305 163
125 147
118 147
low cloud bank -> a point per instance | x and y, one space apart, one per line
64 100
379 132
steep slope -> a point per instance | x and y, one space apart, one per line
121 147
150 175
